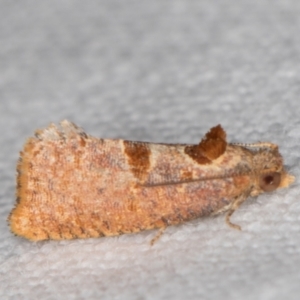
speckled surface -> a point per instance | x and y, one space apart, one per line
166 72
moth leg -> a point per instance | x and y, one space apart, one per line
157 236
235 205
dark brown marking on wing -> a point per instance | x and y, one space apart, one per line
195 153
138 158
212 146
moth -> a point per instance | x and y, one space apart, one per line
72 185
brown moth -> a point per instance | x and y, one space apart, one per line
72 185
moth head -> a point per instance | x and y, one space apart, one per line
270 173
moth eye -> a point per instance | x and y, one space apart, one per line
270 181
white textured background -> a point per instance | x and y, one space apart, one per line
163 71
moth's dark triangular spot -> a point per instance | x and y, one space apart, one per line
212 146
